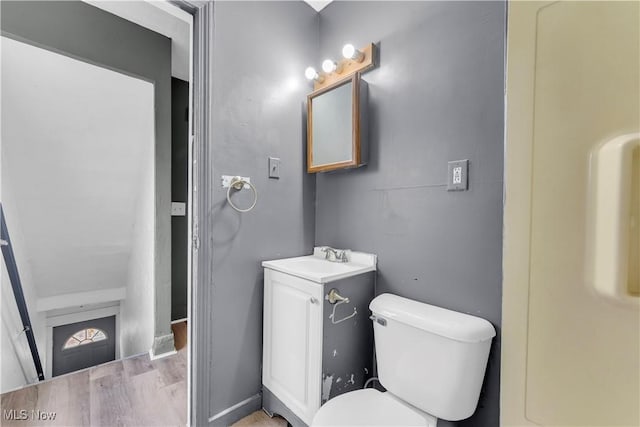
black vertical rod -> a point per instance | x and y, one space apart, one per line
14 278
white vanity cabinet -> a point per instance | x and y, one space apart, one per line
292 348
314 350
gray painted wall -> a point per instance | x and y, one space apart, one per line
87 33
260 51
436 96
347 346
179 193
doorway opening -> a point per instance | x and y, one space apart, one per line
98 209
81 345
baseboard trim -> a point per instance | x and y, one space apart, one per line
272 405
173 322
161 355
163 344
239 410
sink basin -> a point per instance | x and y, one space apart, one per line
317 269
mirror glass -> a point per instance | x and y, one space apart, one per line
332 130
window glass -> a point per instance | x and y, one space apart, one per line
85 336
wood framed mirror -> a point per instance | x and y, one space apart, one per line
336 126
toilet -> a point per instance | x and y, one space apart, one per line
430 360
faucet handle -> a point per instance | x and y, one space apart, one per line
336 255
329 253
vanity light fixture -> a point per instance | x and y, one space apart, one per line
334 71
329 66
350 52
311 74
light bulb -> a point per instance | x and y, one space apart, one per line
350 52
310 73
328 66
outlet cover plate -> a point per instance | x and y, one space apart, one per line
458 175
178 209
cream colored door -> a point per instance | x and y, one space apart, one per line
570 353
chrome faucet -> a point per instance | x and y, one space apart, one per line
335 255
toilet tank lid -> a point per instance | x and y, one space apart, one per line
447 323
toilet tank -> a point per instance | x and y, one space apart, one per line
431 357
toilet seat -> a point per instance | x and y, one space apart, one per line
370 407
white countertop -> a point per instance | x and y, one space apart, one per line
317 269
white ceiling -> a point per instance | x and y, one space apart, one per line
318 5
73 139
161 17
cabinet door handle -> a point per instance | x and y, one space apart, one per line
611 223
313 300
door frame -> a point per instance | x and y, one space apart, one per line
77 43
79 316
200 202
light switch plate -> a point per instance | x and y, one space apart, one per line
458 175
274 167
178 209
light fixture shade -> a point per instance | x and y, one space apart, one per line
350 52
310 73
329 66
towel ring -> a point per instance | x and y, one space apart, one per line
238 183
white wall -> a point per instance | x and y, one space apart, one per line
12 375
17 368
137 309
79 203
73 136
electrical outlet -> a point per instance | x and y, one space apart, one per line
458 176
274 167
178 209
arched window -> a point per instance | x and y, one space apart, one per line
84 336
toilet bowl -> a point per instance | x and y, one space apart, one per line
430 360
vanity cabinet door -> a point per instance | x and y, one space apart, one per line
292 354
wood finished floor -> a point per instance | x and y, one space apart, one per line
130 392
260 419
179 335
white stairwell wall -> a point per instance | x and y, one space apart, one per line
78 173
16 364
137 309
